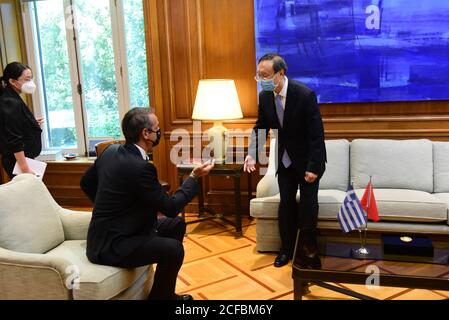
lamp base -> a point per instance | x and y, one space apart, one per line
216 135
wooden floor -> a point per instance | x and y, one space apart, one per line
217 266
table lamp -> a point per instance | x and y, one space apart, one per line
217 100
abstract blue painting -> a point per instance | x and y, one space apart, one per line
360 50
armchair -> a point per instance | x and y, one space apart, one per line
43 251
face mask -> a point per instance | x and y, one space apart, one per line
158 138
28 87
268 85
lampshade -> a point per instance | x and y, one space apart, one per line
217 100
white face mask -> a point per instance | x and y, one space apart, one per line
29 87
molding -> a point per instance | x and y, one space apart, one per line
423 118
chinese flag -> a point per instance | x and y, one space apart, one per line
369 203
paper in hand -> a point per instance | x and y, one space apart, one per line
38 167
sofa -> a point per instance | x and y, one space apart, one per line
43 251
410 179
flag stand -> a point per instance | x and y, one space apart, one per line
352 216
363 251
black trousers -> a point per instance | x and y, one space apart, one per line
293 216
166 250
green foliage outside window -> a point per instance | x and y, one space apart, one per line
97 66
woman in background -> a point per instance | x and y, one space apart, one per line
20 131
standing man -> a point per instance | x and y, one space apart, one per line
291 108
124 230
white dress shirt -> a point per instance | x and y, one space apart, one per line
143 152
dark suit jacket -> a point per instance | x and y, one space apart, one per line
19 130
127 197
302 133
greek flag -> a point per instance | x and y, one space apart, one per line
351 216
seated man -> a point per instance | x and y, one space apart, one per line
127 196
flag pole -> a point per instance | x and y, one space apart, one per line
368 206
361 242
361 252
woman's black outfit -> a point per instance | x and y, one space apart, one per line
19 130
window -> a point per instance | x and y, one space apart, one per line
89 61
137 60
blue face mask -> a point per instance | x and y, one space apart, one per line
268 85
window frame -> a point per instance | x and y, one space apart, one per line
80 112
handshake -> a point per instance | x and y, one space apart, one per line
203 169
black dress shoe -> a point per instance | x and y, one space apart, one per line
183 297
281 260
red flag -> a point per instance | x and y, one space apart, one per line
369 203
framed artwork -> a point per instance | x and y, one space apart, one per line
360 50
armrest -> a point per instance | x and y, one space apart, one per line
33 276
8 257
268 186
75 223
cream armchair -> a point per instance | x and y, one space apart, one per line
43 251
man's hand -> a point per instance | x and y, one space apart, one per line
310 177
249 165
203 169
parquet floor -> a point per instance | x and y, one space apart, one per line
217 266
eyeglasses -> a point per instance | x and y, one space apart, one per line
259 78
151 130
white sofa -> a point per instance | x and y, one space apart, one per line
43 251
410 178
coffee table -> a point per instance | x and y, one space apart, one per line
339 265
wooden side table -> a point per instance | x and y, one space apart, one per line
228 170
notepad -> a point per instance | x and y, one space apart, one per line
38 167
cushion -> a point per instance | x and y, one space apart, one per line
29 219
265 208
393 164
336 175
441 167
408 205
444 197
329 203
96 282
393 205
